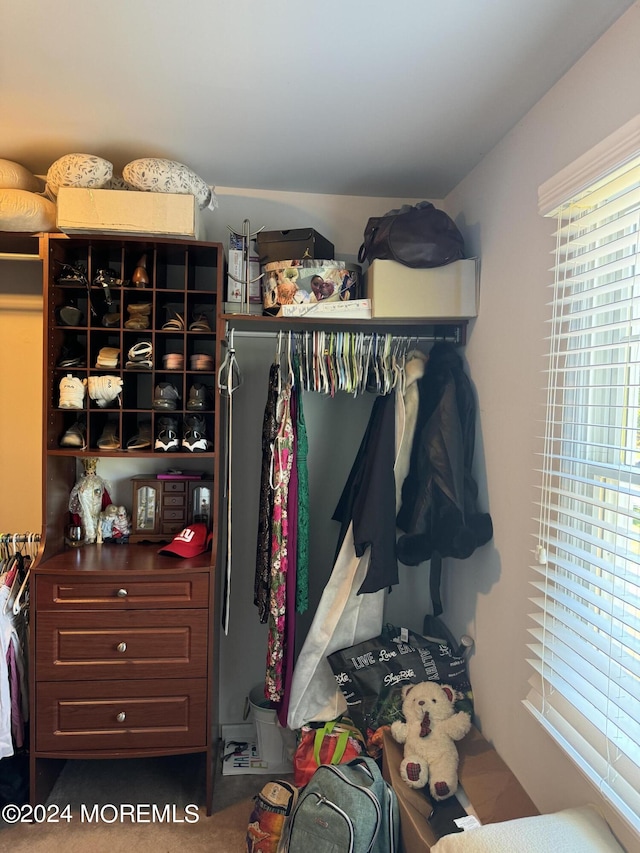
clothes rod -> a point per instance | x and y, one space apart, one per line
418 338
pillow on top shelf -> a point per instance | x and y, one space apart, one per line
153 174
21 210
78 170
13 176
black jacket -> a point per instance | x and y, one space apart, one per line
438 513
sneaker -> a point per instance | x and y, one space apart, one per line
105 389
198 397
72 354
194 439
72 392
75 436
167 438
165 396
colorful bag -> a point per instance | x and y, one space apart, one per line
334 743
273 806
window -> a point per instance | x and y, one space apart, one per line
586 624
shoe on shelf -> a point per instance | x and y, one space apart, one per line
175 323
75 436
109 439
72 392
200 323
72 354
105 389
140 356
73 275
142 439
167 438
108 357
165 396
138 315
194 439
199 397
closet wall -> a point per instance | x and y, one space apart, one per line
20 395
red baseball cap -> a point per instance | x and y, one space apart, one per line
190 542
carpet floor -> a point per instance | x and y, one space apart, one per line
94 802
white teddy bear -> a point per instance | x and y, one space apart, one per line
432 726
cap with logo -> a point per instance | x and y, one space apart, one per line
190 542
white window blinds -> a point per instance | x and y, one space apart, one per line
586 623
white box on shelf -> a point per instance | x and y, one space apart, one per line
399 291
136 213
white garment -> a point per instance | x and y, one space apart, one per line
7 630
343 617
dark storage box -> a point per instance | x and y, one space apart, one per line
293 243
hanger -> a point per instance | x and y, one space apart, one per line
229 376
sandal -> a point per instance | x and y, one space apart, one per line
175 323
142 440
200 324
109 439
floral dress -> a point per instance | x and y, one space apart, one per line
282 463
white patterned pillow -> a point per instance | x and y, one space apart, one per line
78 170
13 176
153 174
21 210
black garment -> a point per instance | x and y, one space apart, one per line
438 513
265 509
368 498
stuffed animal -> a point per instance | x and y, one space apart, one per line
432 726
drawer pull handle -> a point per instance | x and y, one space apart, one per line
122 593
121 717
122 647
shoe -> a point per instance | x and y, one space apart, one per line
174 324
71 355
72 392
199 397
200 324
105 389
75 436
138 315
165 396
142 439
73 275
109 439
167 438
108 357
194 439
70 315
140 356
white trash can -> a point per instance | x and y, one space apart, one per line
269 733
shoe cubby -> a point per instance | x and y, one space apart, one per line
140 311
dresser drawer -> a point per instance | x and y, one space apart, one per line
128 644
62 592
174 500
114 715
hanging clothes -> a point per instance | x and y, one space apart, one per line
439 515
345 615
282 464
265 509
302 534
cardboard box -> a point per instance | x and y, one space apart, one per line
439 292
87 211
487 783
295 243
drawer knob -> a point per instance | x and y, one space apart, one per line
122 647
122 593
121 717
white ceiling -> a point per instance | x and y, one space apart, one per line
356 97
